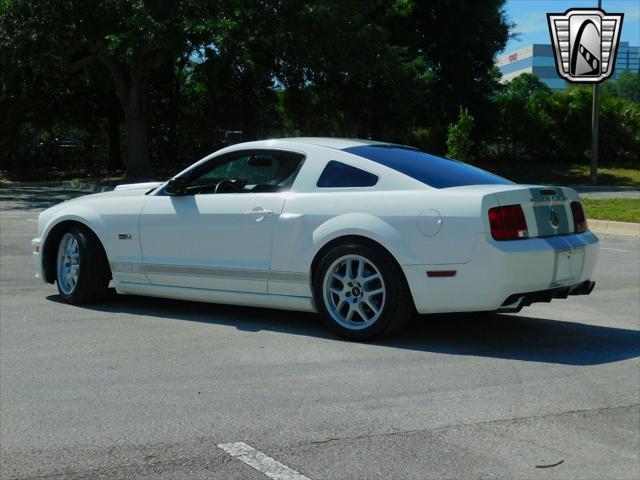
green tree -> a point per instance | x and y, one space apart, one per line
130 39
536 124
459 141
38 96
626 85
457 40
186 71
620 131
525 119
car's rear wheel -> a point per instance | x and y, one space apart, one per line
82 270
361 292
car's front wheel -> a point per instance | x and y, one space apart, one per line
361 292
82 271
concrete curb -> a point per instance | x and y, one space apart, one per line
609 227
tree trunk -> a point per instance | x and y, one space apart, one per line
249 108
131 87
174 102
138 161
113 132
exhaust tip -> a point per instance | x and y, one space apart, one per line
589 288
585 288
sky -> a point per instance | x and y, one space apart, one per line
531 20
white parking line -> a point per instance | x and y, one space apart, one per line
614 249
261 462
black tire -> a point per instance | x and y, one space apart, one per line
398 307
94 273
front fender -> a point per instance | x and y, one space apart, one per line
52 218
83 214
108 217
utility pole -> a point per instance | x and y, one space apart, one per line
595 117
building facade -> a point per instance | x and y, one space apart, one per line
539 60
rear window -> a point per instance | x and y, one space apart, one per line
341 175
434 171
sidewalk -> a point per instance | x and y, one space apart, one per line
609 227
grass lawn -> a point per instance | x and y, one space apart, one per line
547 173
615 175
619 209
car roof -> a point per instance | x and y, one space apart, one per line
338 143
327 142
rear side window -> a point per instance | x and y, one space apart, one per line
434 171
341 175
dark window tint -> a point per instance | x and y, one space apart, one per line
258 171
435 171
337 174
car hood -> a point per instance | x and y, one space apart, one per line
129 190
135 186
126 190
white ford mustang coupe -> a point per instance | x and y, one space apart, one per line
365 233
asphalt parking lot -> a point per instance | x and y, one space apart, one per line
149 388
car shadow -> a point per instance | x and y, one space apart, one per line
510 337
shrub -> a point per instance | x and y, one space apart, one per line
459 142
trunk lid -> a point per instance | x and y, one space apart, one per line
547 210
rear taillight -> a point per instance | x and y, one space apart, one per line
579 219
508 223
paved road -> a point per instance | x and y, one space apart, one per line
147 388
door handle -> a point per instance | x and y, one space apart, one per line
259 211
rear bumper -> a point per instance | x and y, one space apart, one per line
516 302
498 270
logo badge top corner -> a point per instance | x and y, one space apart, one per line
585 43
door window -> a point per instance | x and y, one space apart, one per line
249 172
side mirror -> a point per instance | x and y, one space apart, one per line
176 187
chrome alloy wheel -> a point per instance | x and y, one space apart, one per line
354 292
68 266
